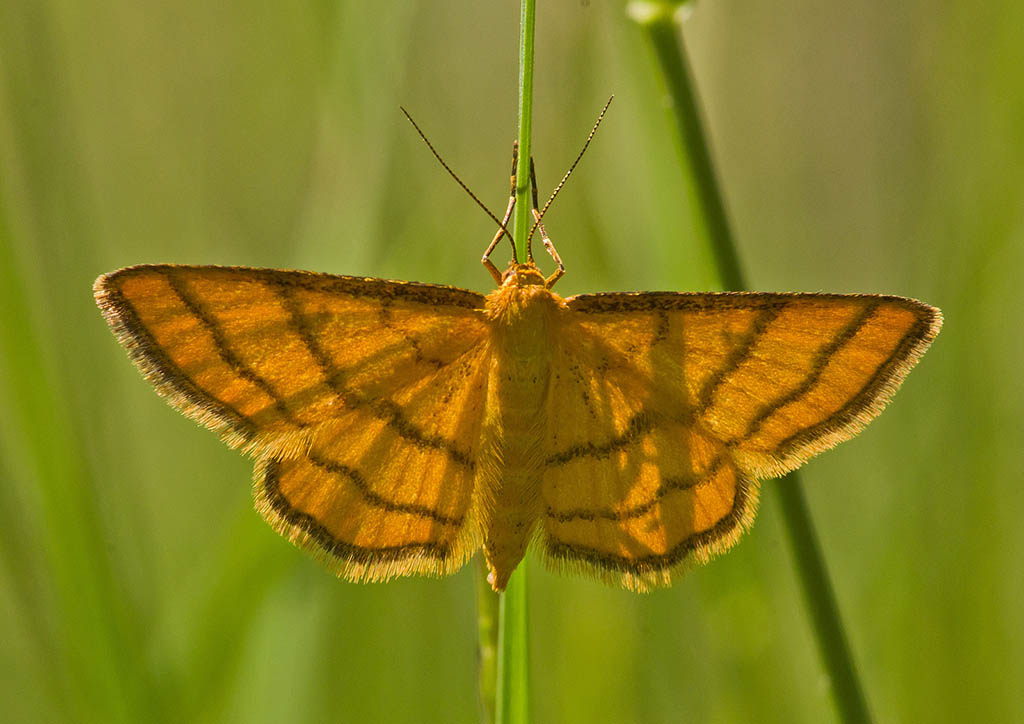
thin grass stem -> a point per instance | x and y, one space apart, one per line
487 648
513 700
521 220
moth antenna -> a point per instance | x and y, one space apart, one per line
590 137
533 191
447 168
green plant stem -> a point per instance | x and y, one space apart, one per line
663 35
521 220
851 703
658 21
487 650
513 700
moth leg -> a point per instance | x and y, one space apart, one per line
538 226
557 274
486 261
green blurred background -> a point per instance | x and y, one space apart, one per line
863 147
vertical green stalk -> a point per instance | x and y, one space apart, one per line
521 221
513 699
487 649
657 19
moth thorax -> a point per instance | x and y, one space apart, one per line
523 275
530 306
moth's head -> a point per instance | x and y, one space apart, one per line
522 275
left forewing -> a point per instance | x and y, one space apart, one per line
262 356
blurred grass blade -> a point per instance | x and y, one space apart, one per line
657 19
248 569
20 558
96 651
96 641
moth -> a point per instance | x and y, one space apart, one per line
398 427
